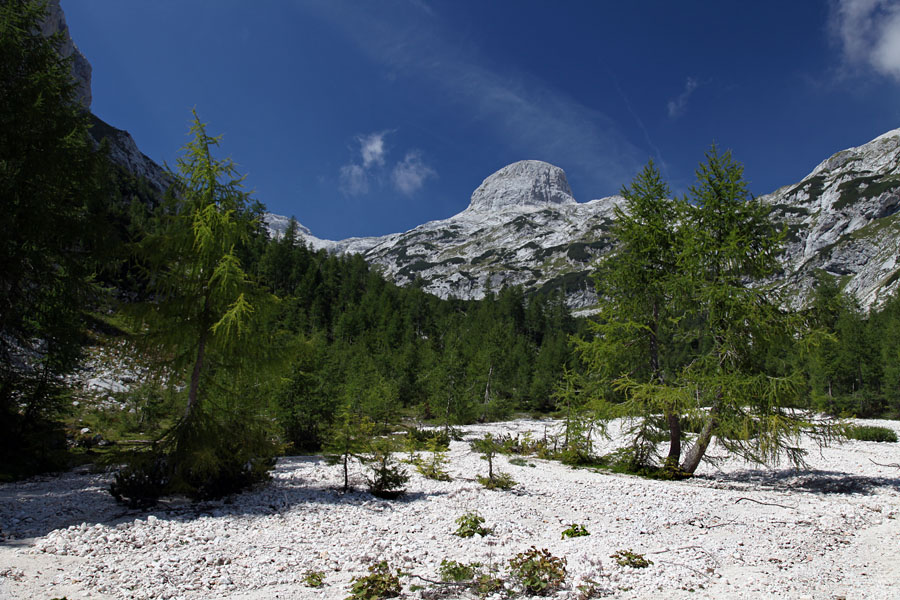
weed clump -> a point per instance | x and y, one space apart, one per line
627 558
575 530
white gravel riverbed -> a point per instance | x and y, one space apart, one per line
734 531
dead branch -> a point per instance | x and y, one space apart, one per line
765 503
894 465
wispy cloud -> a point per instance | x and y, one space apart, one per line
354 180
677 106
529 116
372 148
410 174
368 166
868 32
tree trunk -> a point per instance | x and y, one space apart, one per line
194 389
674 439
695 454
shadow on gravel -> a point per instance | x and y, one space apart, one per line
812 481
37 506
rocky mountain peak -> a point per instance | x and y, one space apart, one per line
528 184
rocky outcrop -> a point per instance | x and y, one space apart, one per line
81 68
524 184
843 219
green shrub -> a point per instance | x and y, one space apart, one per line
538 571
388 478
142 482
456 572
627 558
379 583
575 530
419 439
871 433
433 468
314 579
520 462
471 524
500 481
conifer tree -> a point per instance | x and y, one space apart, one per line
53 188
207 321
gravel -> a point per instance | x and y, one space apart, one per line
829 531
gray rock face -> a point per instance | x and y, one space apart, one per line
527 183
843 219
81 68
522 227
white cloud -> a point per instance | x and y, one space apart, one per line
869 33
372 148
409 175
354 180
677 106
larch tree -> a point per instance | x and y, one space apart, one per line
688 325
206 321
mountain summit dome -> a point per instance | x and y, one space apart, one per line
524 184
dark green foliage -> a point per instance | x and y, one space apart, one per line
869 433
379 583
433 466
54 233
456 572
489 447
537 571
627 558
471 524
388 478
143 481
314 579
575 530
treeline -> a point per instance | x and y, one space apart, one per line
854 370
416 355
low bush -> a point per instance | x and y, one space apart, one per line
871 433
457 572
471 524
538 571
575 530
379 583
314 579
500 481
627 558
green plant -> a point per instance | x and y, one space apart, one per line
575 530
471 524
141 483
871 433
538 571
500 481
434 468
627 558
314 579
520 462
379 583
457 572
388 477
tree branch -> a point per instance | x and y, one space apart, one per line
765 503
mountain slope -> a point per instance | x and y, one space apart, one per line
843 218
522 227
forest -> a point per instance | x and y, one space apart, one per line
256 347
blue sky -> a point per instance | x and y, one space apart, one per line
370 117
